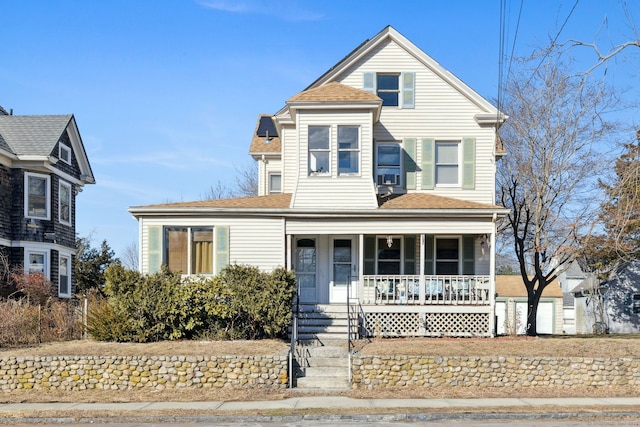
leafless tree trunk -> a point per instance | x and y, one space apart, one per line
545 179
130 258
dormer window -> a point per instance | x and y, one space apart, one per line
64 153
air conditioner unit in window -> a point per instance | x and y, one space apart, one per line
388 179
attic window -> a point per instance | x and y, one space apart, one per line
64 153
389 89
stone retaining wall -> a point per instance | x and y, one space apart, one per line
395 371
369 372
149 372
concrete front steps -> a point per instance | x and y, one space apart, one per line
322 351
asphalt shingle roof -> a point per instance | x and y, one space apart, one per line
32 135
513 286
430 201
334 92
259 144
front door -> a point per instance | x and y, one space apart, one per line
343 268
306 269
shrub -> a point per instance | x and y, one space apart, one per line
241 302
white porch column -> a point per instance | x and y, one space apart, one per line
356 294
422 290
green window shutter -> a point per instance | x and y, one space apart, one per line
154 248
468 255
369 255
369 81
428 163
410 255
408 89
409 163
429 255
468 163
221 236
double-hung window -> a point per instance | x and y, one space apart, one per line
189 250
348 150
64 203
37 196
319 143
36 262
388 167
447 163
389 256
447 256
388 89
64 276
275 183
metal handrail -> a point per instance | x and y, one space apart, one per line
294 334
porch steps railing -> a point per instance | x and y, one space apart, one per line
322 354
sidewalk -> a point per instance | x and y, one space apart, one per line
137 410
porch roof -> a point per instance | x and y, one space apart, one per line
429 201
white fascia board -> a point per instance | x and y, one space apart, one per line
86 173
487 213
36 158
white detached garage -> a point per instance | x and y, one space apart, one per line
511 307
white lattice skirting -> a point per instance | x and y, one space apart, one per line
426 324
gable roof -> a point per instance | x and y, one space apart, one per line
512 286
35 137
492 114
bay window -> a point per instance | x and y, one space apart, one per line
64 203
37 196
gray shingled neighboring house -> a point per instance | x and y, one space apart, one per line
43 166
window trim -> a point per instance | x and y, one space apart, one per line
436 164
68 186
397 91
458 260
67 257
64 147
36 251
394 144
270 183
319 150
190 230
47 179
356 150
400 261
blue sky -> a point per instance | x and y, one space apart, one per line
166 93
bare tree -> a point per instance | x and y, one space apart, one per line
555 120
246 184
130 257
603 56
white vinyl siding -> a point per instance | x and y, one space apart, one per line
440 113
334 190
243 234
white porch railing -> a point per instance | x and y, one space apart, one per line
424 290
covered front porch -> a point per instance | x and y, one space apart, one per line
400 284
